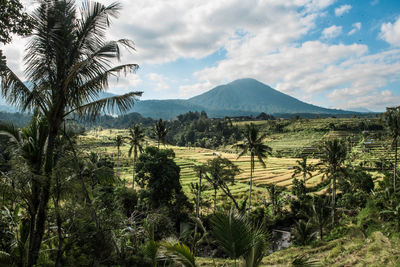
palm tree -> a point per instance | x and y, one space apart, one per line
119 141
29 143
160 130
135 139
275 196
320 213
176 251
332 158
253 143
303 168
239 238
68 63
200 172
303 233
392 120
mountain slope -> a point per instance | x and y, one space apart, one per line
238 98
254 96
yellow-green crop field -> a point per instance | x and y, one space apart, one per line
278 170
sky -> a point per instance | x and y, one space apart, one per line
331 53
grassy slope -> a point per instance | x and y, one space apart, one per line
352 250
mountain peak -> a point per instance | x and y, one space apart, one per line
251 95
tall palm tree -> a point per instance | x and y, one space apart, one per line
119 141
332 158
68 63
135 139
392 120
253 143
160 130
303 168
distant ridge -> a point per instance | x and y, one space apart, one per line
243 97
239 98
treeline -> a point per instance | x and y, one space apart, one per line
196 129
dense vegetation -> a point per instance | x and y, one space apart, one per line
73 197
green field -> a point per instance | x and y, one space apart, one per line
279 167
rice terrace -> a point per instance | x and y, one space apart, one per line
199 133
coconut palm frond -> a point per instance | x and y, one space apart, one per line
178 252
258 249
304 261
11 131
16 92
232 232
122 102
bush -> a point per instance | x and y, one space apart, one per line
128 199
367 219
304 233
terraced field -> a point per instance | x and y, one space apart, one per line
278 170
303 137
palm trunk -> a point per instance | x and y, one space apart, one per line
118 165
333 199
40 220
395 164
251 177
215 198
133 168
198 198
320 232
33 211
59 229
197 213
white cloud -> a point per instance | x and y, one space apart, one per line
339 11
262 40
356 28
332 32
391 32
186 91
124 84
376 101
167 30
159 80
345 72
374 2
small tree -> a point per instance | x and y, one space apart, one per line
157 168
219 172
119 141
135 139
303 168
392 119
275 193
160 131
303 233
320 213
333 156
